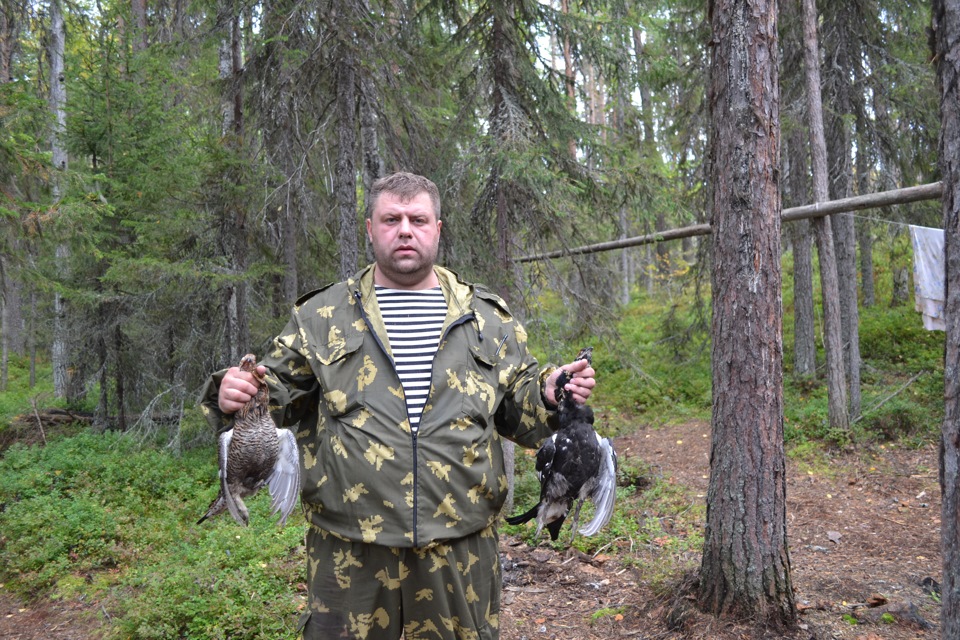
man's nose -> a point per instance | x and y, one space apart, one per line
405 227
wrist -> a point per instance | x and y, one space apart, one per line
545 374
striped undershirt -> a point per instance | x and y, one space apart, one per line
414 320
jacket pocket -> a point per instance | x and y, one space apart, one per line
343 373
481 379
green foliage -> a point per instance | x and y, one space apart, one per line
110 508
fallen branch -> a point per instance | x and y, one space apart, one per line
43 435
888 398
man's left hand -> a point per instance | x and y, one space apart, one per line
580 385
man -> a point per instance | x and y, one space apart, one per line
403 379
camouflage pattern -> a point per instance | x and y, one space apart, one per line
447 591
366 476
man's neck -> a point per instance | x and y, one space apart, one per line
429 282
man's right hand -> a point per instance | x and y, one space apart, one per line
237 388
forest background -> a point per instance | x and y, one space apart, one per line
174 176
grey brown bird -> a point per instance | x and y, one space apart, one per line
254 453
574 464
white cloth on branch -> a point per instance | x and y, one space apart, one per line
929 274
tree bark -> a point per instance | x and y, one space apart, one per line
346 176
833 340
946 29
745 571
804 334
57 102
845 56
234 222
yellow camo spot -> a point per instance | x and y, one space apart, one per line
309 459
462 423
389 505
359 325
503 482
439 562
447 508
370 527
377 453
366 374
470 455
392 583
481 490
520 333
342 562
326 312
337 400
424 594
362 624
396 391
361 419
471 595
473 385
471 560
288 340
337 444
354 493
440 470
493 619
301 371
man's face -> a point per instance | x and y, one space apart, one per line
405 238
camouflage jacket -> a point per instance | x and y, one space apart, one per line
366 475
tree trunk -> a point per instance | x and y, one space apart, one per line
833 340
346 175
745 571
804 334
946 28
58 101
844 57
373 167
10 17
234 230
139 10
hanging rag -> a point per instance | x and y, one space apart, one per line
928 276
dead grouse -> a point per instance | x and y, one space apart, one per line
254 453
574 464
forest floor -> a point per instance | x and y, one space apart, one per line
864 549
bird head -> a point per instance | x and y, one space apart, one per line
248 363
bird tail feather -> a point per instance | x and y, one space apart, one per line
524 517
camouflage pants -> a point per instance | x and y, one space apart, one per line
447 591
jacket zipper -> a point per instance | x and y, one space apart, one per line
414 432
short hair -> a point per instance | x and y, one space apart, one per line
406 186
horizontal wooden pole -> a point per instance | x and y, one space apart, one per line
930 191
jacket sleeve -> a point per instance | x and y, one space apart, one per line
523 416
293 387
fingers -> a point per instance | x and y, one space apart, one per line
581 381
236 389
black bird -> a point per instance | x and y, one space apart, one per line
573 464
254 454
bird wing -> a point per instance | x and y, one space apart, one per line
284 480
545 456
605 493
222 457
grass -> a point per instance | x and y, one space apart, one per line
108 518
